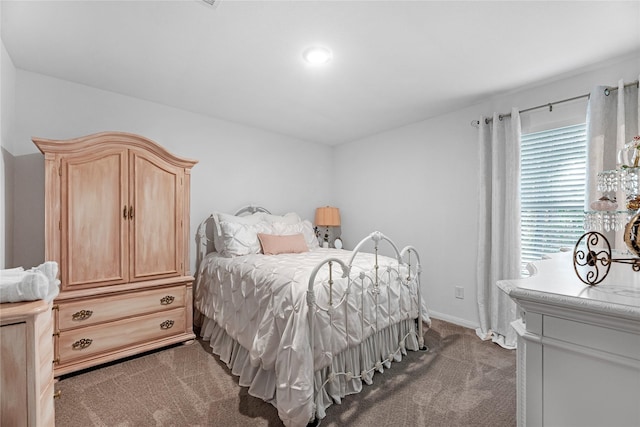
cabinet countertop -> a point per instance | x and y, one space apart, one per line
12 311
554 281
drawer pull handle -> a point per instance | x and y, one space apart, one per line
167 300
57 394
81 344
81 315
167 324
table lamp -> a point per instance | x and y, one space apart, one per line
327 216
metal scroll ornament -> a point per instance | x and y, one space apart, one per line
81 344
167 324
593 263
81 315
167 300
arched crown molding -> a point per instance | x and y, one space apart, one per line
102 140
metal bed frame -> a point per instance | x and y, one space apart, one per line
403 274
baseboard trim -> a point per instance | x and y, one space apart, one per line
453 319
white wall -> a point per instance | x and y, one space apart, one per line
237 165
7 120
418 184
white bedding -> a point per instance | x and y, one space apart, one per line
260 302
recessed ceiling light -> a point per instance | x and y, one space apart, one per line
317 55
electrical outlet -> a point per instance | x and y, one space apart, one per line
459 292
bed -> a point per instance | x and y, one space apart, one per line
303 326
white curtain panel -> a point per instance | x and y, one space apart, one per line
498 225
612 120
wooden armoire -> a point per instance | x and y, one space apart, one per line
117 223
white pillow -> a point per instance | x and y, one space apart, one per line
289 218
219 217
242 239
302 227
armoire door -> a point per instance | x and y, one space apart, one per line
156 197
94 195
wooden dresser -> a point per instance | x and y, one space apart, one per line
26 369
117 223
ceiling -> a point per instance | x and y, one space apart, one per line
394 62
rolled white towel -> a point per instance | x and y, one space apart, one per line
50 270
40 282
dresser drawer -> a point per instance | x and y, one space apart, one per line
98 339
104 309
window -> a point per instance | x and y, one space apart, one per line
552 190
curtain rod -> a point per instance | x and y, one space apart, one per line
550 105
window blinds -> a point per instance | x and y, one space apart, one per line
552 190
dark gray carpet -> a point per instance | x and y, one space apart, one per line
460 381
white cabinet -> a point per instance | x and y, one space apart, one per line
578 346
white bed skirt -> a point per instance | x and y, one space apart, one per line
262 383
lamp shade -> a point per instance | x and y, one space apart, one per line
328 216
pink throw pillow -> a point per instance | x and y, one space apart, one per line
288 244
